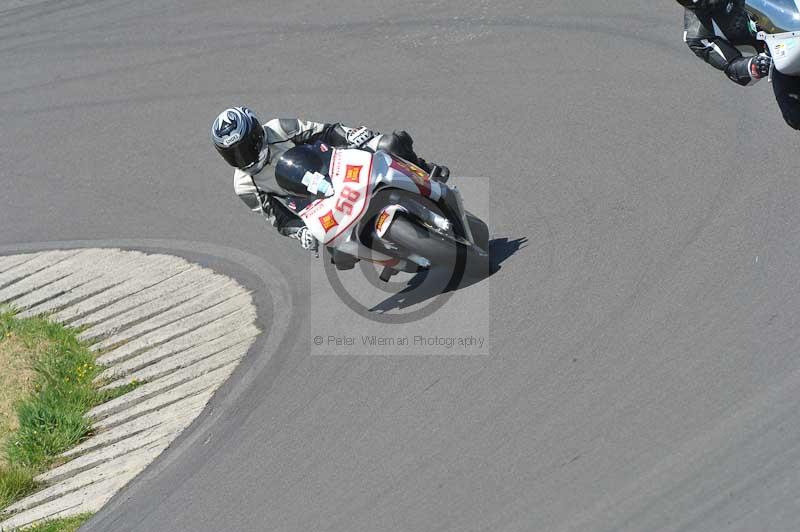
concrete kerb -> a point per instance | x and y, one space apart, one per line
135 428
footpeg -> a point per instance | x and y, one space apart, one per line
387 274
439 173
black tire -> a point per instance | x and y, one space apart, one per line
442 252
414 238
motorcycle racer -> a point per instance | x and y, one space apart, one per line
250 148
713 29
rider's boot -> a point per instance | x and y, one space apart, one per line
401 144
438 172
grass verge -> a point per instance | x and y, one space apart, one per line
70 524
49 387
15 483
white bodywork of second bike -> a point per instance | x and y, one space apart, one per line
778 24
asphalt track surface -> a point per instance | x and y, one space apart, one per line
644 369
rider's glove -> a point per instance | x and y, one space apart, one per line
356 138
760 66
307 240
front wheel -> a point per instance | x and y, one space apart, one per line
414 238
480 231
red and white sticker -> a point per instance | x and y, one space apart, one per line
329 218
415 173
385 219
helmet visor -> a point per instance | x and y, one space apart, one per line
241 155
293 165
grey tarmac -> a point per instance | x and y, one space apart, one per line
643 360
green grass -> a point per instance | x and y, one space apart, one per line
51 421
15 483
51 418
70 524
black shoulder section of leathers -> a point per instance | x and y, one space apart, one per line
702 4
331 134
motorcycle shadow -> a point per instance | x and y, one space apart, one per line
432 283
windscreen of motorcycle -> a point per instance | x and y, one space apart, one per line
775 16
303 171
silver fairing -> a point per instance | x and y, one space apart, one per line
775 16
785 51
779 25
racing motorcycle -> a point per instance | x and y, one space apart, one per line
377 207
777 24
